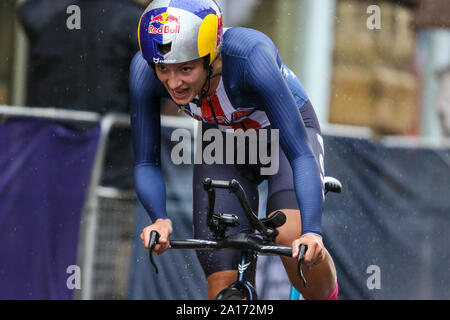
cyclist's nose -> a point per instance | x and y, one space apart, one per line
174 82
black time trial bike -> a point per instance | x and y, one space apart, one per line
250 244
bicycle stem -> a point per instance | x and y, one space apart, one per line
209 185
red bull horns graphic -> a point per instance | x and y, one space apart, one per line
164 23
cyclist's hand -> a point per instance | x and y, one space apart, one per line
164 228
315 254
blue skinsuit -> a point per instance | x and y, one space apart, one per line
253 76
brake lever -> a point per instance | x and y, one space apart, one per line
302 249
154 240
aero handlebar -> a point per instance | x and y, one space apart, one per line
238 241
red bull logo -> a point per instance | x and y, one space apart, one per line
164 23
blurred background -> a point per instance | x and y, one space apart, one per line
391 75
378 76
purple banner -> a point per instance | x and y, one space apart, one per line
44 176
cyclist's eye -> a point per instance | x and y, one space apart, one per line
161 68
187 69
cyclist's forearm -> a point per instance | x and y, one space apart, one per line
308 188
151 190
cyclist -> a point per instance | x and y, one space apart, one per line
229 79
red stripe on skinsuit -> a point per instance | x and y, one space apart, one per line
247 124
217 108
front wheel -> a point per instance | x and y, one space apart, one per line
232 294
238 291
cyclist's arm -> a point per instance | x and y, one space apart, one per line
263 76
146 130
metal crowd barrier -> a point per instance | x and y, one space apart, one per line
91 207
87 257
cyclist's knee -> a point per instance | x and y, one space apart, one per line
291 229
219 281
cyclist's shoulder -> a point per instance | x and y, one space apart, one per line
138 64
240 41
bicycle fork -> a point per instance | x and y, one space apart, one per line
244 286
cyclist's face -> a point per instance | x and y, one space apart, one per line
183 81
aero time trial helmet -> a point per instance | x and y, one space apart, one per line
176 31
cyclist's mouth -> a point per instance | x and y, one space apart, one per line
180 94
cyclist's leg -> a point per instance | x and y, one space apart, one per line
322 278
220 265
